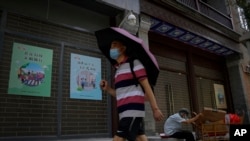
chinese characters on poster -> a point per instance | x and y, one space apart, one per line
85 75
30 72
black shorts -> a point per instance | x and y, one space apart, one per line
130 127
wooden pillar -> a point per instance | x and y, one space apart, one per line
192 82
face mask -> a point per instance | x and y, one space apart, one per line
114 53
184 116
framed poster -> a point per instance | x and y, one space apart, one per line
85 76
30 72
220 96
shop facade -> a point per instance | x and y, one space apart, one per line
196 60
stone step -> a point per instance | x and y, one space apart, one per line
154 138
150 138
158 138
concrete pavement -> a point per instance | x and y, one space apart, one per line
150 138
87 139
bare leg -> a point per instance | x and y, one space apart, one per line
141 138
117 138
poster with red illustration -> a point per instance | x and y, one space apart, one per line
31 68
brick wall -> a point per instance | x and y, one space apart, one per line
57 114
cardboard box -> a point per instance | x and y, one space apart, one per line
211 115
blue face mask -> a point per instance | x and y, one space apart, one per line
114 53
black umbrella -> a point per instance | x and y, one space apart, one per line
135 48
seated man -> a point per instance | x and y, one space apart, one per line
173 125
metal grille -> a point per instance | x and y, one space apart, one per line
218 14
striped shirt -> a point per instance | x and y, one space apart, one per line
130 98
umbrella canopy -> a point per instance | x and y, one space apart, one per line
135 49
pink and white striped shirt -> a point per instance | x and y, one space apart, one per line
129 96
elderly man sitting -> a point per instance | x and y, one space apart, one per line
173 125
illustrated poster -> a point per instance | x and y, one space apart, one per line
85 75
220 96
30 72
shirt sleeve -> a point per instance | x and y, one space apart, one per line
180 119
139 70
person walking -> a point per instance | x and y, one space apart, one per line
130 96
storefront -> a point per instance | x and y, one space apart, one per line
195 61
